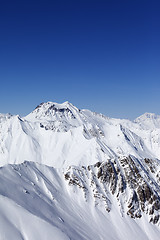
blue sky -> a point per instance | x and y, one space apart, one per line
100 55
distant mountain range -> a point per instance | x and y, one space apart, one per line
74 174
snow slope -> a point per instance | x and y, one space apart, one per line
36 202
68 173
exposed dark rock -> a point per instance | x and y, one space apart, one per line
116 178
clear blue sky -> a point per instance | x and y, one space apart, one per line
100 55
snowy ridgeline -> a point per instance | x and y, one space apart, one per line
75 174
61 135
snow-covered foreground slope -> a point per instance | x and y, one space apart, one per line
36 202
74 174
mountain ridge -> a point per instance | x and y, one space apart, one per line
79 175
50 134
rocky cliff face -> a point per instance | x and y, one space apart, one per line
133 184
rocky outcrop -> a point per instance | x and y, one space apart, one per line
127 179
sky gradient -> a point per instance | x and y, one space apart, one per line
100 55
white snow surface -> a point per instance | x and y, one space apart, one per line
36 201
61 135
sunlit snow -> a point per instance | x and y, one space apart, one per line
36 201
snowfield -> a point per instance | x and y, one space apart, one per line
37 203
74 174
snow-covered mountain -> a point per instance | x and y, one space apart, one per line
60 135
75 174
149 120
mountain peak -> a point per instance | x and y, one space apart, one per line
148 116
53 110
149 120
46 105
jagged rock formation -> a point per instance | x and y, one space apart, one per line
127 179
